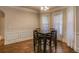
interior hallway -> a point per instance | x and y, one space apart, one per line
27 47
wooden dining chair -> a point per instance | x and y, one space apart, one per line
44 43
51 39
35 40
54 38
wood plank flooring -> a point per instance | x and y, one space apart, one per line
27 47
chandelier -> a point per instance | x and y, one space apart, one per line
44 8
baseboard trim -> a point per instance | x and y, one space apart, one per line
16 40
19 42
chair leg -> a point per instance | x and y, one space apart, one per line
40 45
38 49
44 45
50 47
34 45
55 46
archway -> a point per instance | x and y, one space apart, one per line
2 15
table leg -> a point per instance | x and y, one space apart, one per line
50 47
45 45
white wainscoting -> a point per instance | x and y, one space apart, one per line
17 36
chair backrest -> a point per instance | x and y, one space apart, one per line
38 29
35 34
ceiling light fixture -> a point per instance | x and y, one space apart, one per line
44 8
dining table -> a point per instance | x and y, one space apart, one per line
44 40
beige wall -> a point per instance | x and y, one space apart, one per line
77 19
1 24
77 29
19 24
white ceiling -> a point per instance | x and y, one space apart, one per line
37 8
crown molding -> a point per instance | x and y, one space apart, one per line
23 9
54 9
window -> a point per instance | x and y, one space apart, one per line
44 23
58 18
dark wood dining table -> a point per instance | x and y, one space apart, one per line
45 36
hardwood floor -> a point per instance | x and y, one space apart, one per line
27 47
